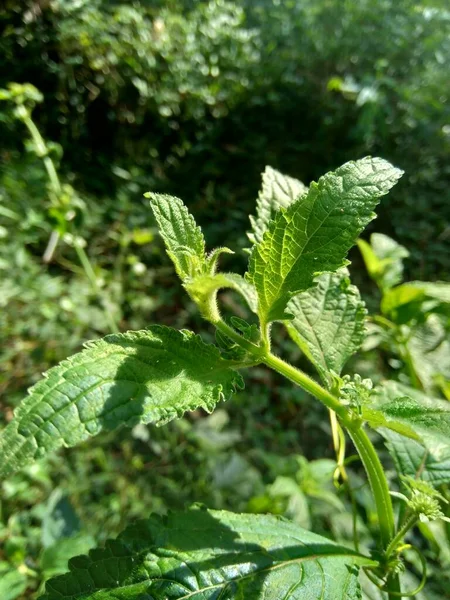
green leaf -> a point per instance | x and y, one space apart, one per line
383 259
405 302
402 303
278 191
328 323
184 240
13 583
315 233
409 412
429 461
54 559
149 376
207 555
429 350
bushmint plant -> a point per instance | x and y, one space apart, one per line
297 275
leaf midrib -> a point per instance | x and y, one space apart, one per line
312 557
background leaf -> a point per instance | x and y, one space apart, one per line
411 413
203 554
13 583
148 376
384 259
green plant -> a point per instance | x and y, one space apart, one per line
65 206
414 323
296 276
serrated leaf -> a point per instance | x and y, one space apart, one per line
202 287
384 259
315 233
207 555
429 350
183 238
328 323
429 461
409 412
149 376
278 191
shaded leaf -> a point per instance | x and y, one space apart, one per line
204 555
149 376
429 461
409 412
429 349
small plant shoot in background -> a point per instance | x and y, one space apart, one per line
297 276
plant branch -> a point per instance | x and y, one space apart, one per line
363 445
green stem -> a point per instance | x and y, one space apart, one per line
84 260
55 184
310 385
363 445
409 523
42 151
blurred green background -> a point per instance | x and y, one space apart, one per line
193 99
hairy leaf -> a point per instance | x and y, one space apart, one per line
207 555
278 191
315 233
429 461
384 259
184 240
411 413
147 376
328 323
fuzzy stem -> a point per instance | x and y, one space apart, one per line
363 445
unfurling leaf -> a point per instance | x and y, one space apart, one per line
183 238
328 323
315 232
207 555
278 191
149 376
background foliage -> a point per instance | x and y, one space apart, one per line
194 99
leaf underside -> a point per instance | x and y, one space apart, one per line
315 232
328 323
147 376
212 555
